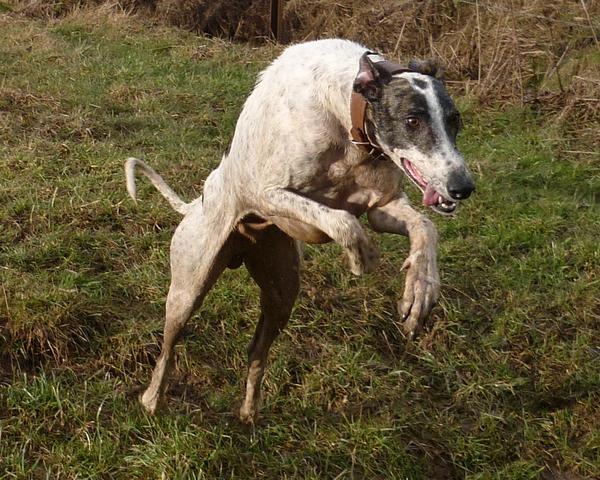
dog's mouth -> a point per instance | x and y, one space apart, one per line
431 197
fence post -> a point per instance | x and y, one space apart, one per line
277 20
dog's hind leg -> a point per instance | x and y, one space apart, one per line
201 248
274 264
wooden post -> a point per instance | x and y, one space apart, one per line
277 20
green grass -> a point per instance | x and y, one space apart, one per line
504 385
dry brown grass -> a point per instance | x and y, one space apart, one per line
543 53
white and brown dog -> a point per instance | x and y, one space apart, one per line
327 135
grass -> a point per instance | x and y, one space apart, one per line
504 385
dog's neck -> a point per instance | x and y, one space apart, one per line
358 132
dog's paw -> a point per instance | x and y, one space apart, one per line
153 402
363 257
421 291
248 416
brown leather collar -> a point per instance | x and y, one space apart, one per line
358 111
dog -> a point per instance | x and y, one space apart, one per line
328 134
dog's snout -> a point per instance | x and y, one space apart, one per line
460 186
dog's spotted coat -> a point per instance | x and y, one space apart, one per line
292 174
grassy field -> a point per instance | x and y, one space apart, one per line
505 384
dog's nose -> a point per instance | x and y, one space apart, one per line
460 186
461 194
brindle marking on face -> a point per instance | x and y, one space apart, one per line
451 116
405 97
422 84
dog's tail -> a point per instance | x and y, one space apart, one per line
174 200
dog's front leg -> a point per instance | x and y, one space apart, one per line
340 225
422 279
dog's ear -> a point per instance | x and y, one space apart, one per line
430 67
370 78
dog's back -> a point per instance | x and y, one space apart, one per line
302 97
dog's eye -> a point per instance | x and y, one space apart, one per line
413 122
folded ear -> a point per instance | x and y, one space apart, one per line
370 79
429 67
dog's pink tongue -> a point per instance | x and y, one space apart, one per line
430 196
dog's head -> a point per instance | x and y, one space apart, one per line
415 123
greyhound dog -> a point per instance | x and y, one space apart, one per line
327 135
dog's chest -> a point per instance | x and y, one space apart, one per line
354 188
354 184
